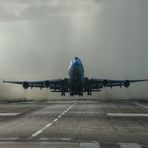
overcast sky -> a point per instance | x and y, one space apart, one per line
38 38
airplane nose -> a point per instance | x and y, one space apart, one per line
76 58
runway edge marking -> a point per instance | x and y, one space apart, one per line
51 123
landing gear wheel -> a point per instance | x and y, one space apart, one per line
62 94
71 94
89 94
80 94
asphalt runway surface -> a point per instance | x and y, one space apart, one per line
74 124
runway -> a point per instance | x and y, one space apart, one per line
74 124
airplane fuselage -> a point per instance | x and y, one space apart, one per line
76 77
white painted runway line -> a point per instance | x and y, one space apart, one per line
66 139
141 105
127 115
89 145
9 139
55 139
44 139
51 123
129 145
9 114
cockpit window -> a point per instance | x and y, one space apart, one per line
76 58
77 61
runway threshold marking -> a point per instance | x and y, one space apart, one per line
127 115
129 145
51 123
9 114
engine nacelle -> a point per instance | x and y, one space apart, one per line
105 83
25 85
126 83
55 86
47 84
64 85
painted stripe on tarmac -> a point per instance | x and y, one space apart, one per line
66 139
9 114
51 123
141 105
129 145
127 115
89 145
43 139
9 139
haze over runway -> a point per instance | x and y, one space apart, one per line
38 38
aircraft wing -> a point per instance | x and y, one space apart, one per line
56 84
100 83
61 85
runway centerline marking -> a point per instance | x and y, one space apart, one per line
51 123
141 105
127 115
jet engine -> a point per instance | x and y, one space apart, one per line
47 84
105 83
126 83
25 85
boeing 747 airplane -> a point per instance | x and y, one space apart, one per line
76 83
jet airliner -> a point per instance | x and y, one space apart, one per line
76 83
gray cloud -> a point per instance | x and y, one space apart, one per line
38 39
16 10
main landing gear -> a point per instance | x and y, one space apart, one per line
71 94
63 94
89 94
81 94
